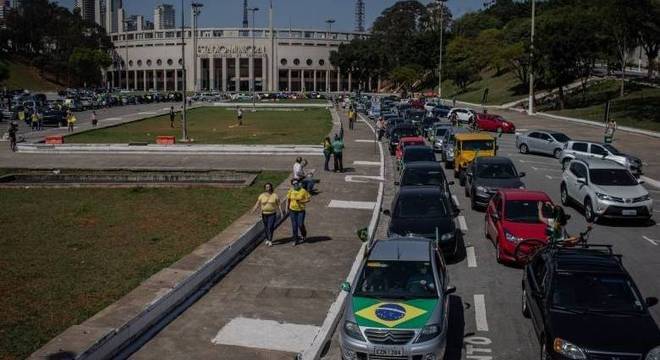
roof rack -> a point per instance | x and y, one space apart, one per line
607 247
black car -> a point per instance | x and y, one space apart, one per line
425 211
441 111
415 153
488 174
584 305
399 131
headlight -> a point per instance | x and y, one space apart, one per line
481 189
429 332
353 330
567 349
644 198
521 187
447 236
511 238
654 354
604 196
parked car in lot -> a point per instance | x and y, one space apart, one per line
398 131
398 308
462 114
415 153
604 188
486 175
496 123
588 149
584 305
512 216
541 141
469 146
425 211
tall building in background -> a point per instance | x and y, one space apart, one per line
5 6
359 16
99 12
164 17
112 8
245 14
87 9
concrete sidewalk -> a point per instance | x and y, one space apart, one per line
272 304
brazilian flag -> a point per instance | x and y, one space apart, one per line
411 314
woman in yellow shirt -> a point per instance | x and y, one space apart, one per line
297 198
269 203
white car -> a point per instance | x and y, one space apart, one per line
604 188
462 114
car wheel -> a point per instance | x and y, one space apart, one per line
557 153
498 252
544 351
565 199
525 308
564 164
486 227
524 149
588 210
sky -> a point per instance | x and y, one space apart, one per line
297 13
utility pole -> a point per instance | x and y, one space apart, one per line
254 106
124 26
184 120
195 13
329 22
530 108
441 3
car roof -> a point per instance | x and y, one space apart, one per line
586 260
401 249
473 136
493 160
543 131
523 194
432 165
595 163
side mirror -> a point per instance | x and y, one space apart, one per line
386 212
452 289
345 286
522 174
651 301
582 181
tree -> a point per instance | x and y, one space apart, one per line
648 31
621 30
87 64
488 50
462 65
406 75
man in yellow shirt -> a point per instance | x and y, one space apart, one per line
297 198
269 203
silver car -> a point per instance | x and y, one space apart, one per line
592 150
398 308
447 150
604 188
541 141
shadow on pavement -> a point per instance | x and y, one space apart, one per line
460 252
456 324
315 239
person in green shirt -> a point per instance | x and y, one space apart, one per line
338 152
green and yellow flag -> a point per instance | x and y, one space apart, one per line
412 314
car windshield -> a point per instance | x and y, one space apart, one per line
399 133
397 280
612 177
420 205
440 131
612 149
591 291
418 155
419 177
560 137
496 171
484 145
524 211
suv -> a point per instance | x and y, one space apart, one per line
541 141
605 189
584 305
587 149
469 146
398 307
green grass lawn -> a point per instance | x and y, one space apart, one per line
213 125
66 254
502 89
22 76
639 108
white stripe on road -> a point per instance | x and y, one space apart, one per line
367 163
266 334
462 224
471 257
362 178
362 205
654 242
549 177
455 200
480 312
365 141
112 119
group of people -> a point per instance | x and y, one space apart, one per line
334 149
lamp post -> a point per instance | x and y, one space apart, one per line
329 22
441 3
530 108
184 120
196 10
125 27
253 11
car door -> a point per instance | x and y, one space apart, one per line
545 144
578 190
536 274
597 151
492 222
532 141
571 179
580 149
582 189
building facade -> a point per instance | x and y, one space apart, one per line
164 17
87 9
284 60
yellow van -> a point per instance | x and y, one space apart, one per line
467 147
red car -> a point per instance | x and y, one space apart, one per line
405 141
511 217
491 122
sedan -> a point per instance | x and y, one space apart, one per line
490 122
415 153
486 175
541 141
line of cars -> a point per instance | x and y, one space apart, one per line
580 299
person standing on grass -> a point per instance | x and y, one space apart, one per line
269 203
172 117
95 121
239 116
338 150
327 152
297 198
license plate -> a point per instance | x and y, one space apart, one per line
388 351
629 212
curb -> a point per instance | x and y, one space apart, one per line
654 183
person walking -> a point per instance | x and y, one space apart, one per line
380 128
351 118
297 198
610 128
239 116
269 203
13 129
35 121
327 152
172 115
337 150
95 121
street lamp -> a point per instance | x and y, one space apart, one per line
329 22
184 120
125 28
530 108
441 3
196 10
253 10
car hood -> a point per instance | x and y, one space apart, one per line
499 183
626 192
598 332
422 226
525 230
394 314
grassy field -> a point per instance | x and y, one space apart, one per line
502 89
639 108
66 254
218 126
22 76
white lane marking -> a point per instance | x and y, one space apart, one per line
480 312
455 200
362 178
462 224
545 169
365 141
163 109
361 205
266 334
549 177
147 113
654 242
112 119
471 257
509 154
367 163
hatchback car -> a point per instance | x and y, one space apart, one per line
541 141
513 216
415 153
584 305
406 141
486 175
586 149
604 188
398 132
491 122
424 173
425 211
462 115
398 308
